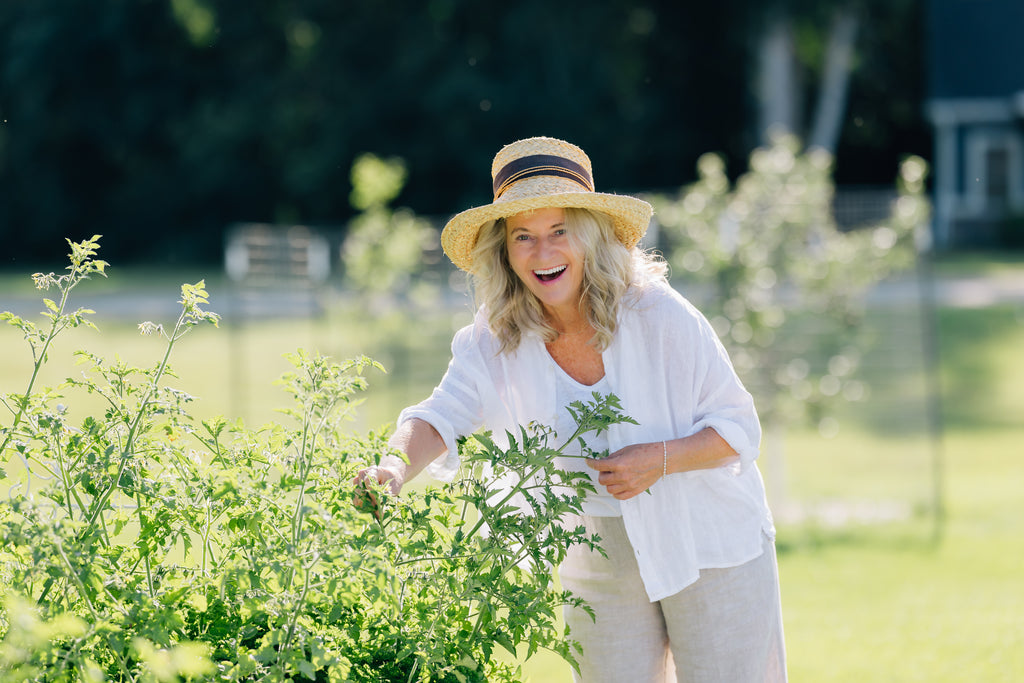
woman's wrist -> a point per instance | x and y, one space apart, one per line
397 467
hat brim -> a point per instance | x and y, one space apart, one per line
630 217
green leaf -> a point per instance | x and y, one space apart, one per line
505 641
307 670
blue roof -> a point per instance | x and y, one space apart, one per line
975 48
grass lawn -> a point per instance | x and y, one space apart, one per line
861 609
862 601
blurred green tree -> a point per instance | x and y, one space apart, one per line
383 248
777 267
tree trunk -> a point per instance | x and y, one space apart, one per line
777 82
835 80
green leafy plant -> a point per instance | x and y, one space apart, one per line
142 545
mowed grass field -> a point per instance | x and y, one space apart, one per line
901 595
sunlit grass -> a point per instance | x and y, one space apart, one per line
231 370
861 609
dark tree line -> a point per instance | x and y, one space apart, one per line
160 122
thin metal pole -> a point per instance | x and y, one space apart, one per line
933 382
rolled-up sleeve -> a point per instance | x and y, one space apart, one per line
722 401
454 408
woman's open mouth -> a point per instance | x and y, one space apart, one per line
550 273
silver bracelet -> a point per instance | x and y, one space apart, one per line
664 463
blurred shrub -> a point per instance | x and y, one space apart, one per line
777 268
383 248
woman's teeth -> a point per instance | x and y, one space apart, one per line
550 273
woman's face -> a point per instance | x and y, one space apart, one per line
545 259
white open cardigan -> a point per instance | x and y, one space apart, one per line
674 378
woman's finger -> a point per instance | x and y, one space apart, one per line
364 498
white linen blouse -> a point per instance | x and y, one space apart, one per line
673 376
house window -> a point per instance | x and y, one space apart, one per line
994 173
997 176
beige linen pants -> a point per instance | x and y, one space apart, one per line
725 628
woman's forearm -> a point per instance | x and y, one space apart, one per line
420 443
704 450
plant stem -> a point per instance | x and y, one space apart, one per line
304 468
145 557
58 456
127 451
40 357
298 608
206 536
78 582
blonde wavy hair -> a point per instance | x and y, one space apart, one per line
610 270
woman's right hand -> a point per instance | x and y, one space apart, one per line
414 444
369 480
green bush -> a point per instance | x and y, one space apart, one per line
140 545
785 286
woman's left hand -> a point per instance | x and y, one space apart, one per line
631 470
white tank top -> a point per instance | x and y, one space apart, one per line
567 390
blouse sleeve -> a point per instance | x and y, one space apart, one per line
454 408
723 403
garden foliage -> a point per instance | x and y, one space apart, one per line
140 545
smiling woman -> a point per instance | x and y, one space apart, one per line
607 266
548 263
569 307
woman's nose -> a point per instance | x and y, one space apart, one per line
545 247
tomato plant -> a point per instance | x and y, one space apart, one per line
140 544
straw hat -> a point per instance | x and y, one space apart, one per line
539 173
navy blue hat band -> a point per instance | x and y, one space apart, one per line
540 165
